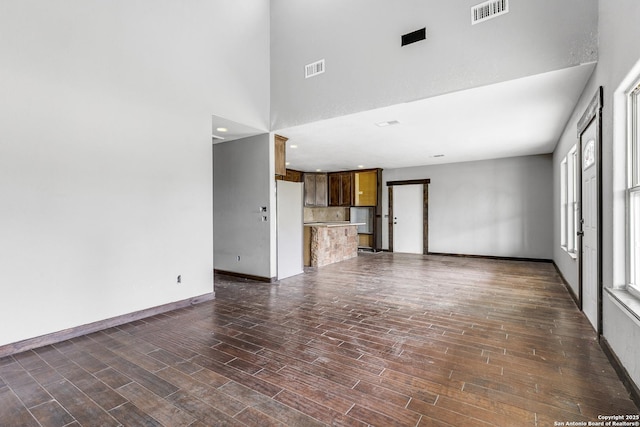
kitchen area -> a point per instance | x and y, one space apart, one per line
272 221
342 214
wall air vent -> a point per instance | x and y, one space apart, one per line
488 10
312 70
414 37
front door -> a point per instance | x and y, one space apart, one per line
589 224
589 257
408 219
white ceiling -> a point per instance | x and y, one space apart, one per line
367 68
225 130
469 92
514 118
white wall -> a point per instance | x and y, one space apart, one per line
567 265
366 67
617 26
243 183
496 207
105 150
623 335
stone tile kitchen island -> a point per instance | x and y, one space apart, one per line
329 242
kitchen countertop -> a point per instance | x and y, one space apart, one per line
332 224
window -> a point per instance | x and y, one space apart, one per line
563 204
568 202
633 189
625 286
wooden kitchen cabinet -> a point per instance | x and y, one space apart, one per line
309 189
292 176
340 188
315 189
280 155
365 241
365 188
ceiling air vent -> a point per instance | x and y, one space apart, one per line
488 10
314 69
389 123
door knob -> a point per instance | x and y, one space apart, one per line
580 233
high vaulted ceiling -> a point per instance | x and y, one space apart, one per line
501 88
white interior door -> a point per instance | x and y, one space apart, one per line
289 196
589 250
408 218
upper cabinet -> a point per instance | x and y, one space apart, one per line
340 188
292 175
348 188
365 188
280 155
315 189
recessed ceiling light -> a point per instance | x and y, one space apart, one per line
389 123
318 170
287 163
293 146
360 166
222 129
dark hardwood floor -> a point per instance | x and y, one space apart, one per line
382 340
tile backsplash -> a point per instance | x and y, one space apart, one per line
327 214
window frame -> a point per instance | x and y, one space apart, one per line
569 202
633 190
563 203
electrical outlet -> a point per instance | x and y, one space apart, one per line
179 278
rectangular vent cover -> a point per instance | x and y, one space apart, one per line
488 10
314 69
414 36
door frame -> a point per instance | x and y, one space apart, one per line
592 112
425 210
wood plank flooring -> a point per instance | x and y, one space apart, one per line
379 340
